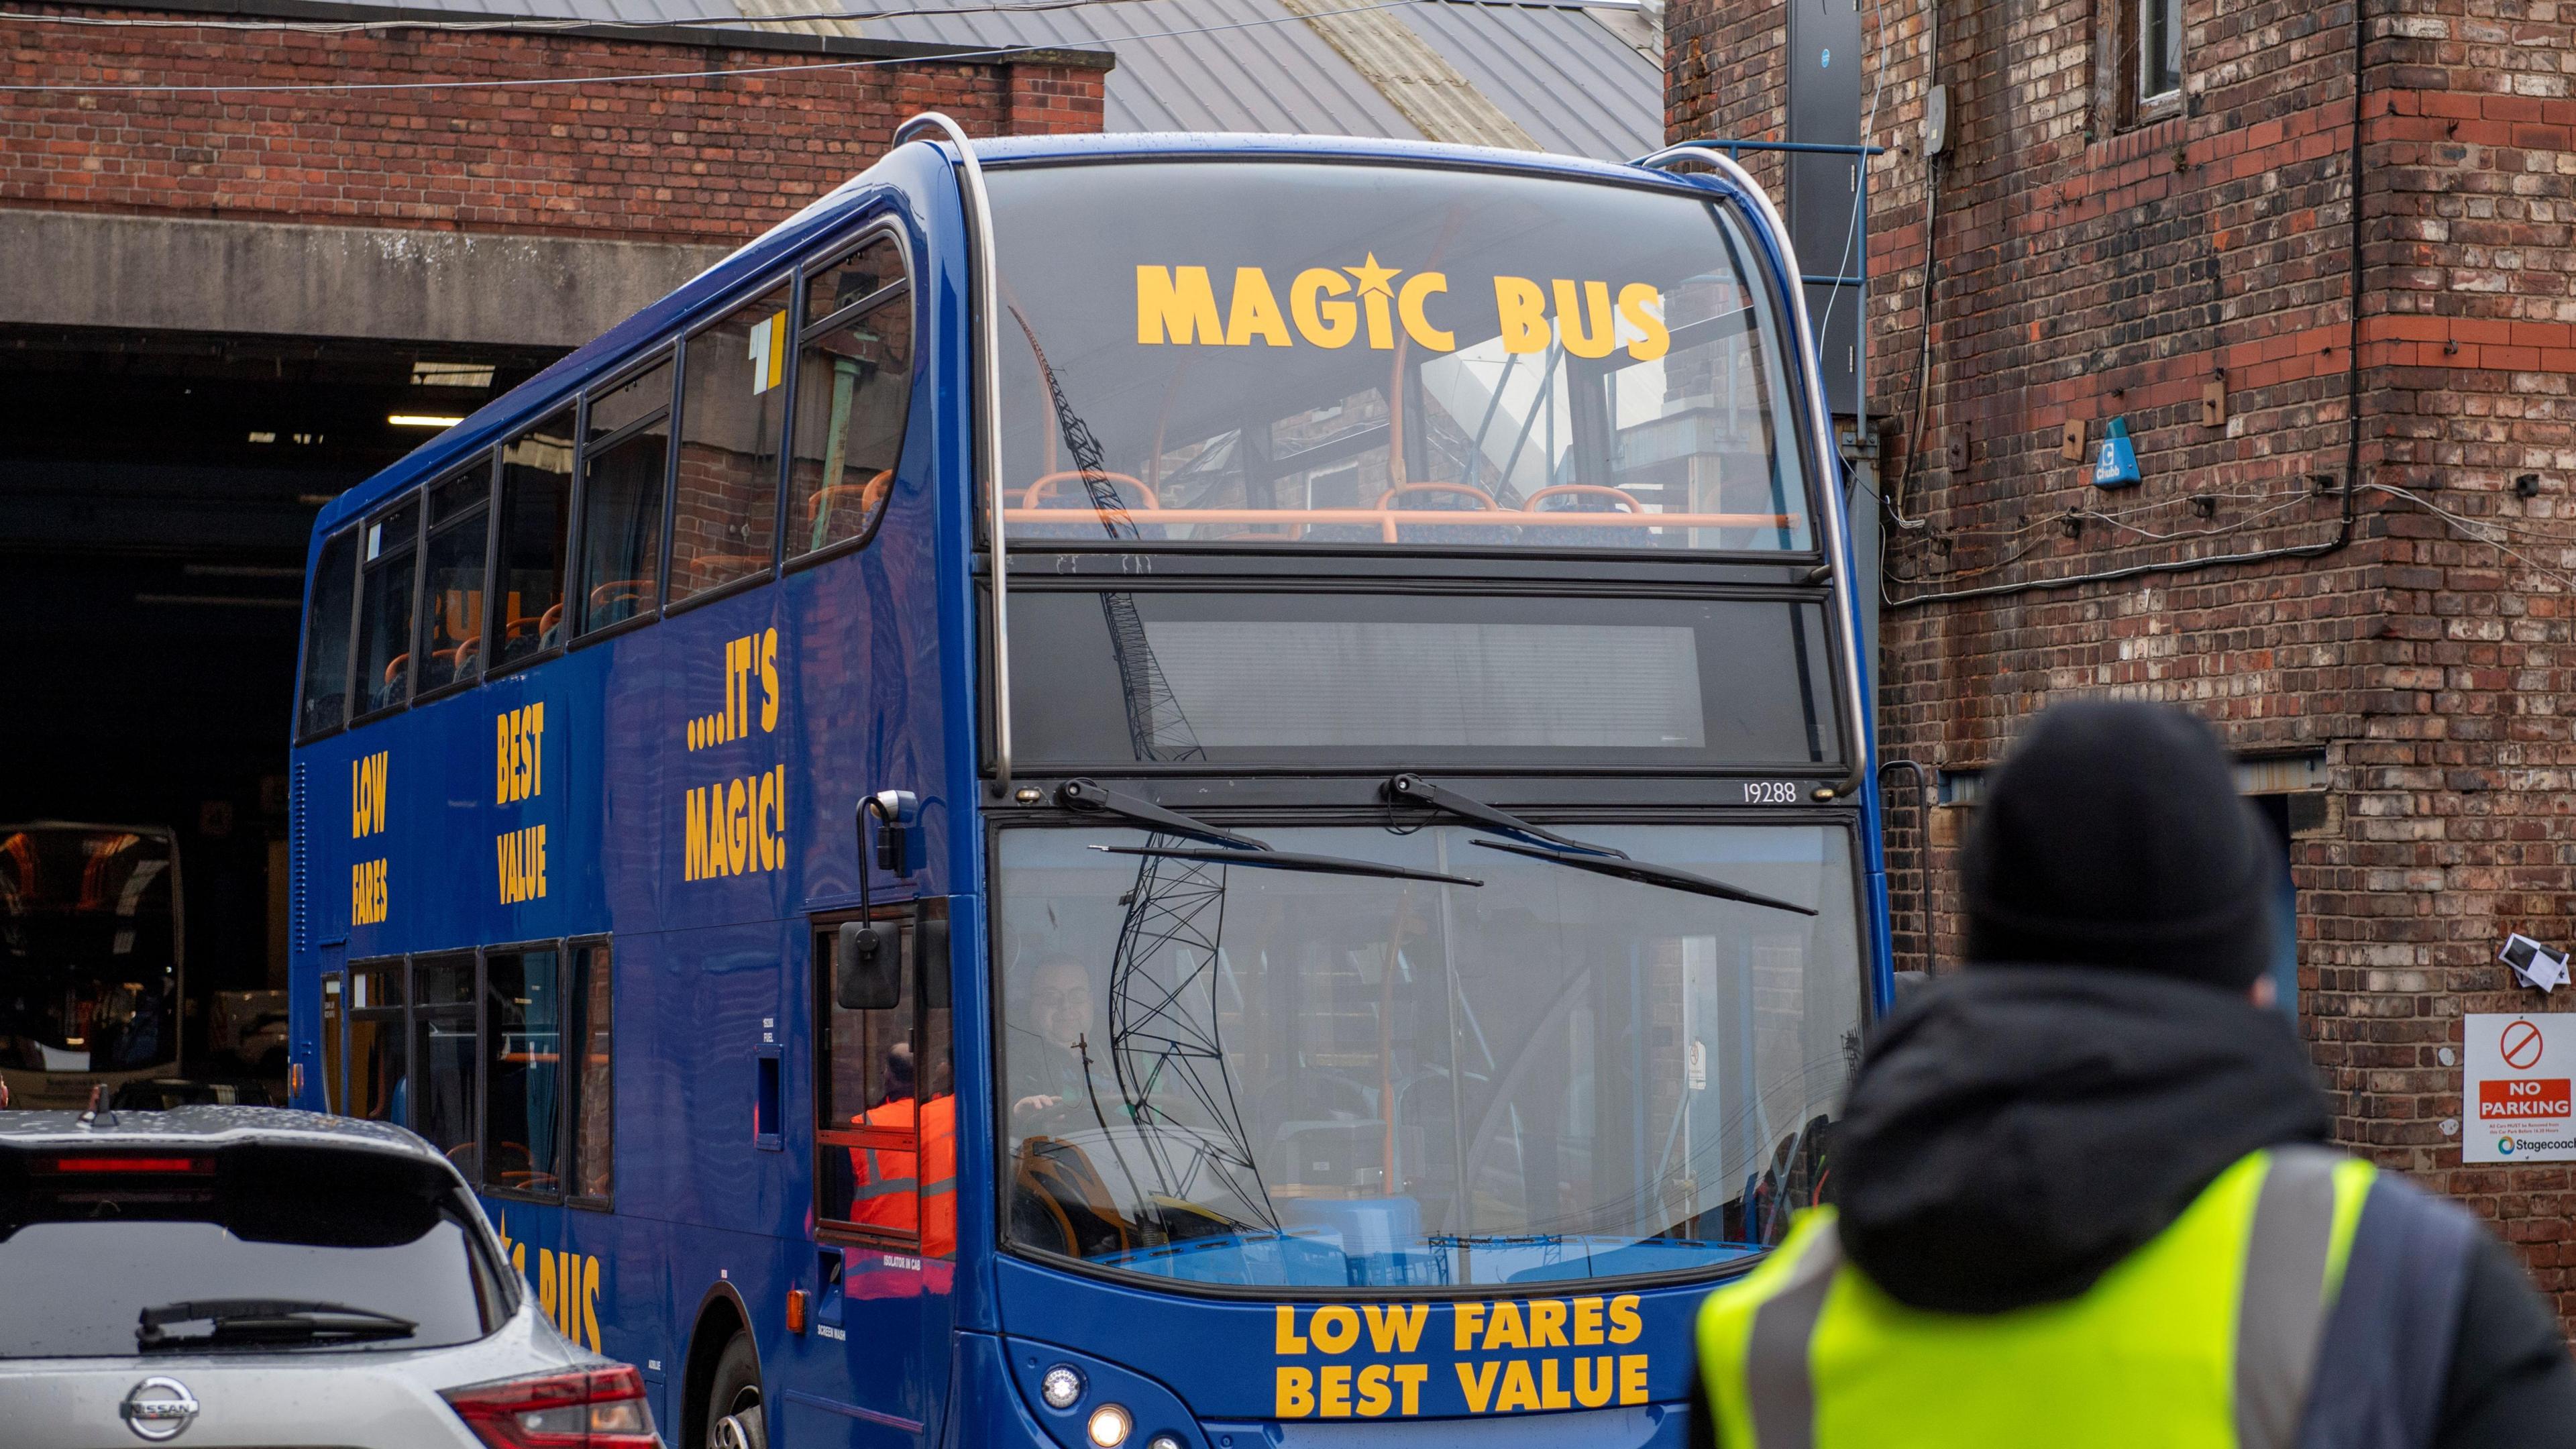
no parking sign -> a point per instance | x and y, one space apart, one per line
2516 1094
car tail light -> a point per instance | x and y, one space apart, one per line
128 1164
600 1408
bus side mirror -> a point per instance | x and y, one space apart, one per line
867 966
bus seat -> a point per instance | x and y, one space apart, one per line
1442 497
1585 498
1050 492
863 498
546 636
1057 1181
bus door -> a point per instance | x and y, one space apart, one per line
885 1186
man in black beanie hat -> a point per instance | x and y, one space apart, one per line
2080 1190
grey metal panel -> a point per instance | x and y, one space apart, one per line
1576 87
1251 65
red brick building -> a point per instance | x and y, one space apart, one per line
2358 566
240 244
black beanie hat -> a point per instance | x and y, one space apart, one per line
2113 835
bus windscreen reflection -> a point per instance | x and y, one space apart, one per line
1263 1078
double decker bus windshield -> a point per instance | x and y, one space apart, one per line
1220 1074
1357 355
88 949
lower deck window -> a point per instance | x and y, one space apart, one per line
501 1060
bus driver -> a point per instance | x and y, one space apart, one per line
1047 1071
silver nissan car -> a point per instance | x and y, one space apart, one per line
232 1276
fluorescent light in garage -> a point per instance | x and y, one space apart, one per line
423 420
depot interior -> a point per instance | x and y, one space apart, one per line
156 494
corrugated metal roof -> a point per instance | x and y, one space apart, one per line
1570 79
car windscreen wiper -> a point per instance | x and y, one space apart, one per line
239 1321
1093 798
1412 789
1266 859
1646 873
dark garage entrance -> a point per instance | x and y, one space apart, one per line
156 490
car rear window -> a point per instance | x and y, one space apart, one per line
167 1251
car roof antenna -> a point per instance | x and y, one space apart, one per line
99 1113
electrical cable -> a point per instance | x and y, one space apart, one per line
927 58
2352 482
2476 530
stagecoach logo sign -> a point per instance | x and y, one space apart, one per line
1333 307
159 1409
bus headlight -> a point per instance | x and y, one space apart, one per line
1062 1386
1110 1424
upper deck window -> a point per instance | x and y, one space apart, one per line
536 513
724 520
326 636
451 626
1356 356
854 376
387 553
621 499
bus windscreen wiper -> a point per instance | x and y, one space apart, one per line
1267 859
240 1321
1093 798
1224 847
1648 874
1412 789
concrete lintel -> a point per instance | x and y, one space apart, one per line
83 269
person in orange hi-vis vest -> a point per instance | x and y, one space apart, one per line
893 1191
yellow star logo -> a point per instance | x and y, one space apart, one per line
1374 278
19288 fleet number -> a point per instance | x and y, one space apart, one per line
1770 792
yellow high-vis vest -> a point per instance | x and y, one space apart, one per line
2205 1337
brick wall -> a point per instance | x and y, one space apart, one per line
696 158
2090 264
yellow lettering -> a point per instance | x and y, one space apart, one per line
1505 1331
1296 1396
733 685
1284 1337
778 811
1624 1323
1552 1395
1410 1377
1335 1390
501 759
767 805
1523 308
1325 324
536 756
541 867
548 1288
1477 1383
1334 1328
768 681
1592 1382
589 1295
1417 289
1178 303
1396 1328
1374 1396
1587 1321
715 830
737 828
1641 307
1547 1323
1464 1320
1602 335
1255 312
1518 1390
1632 1378
693 863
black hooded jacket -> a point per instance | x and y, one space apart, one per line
2016 1131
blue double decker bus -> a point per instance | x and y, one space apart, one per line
1189 792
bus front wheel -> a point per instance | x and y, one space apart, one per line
734 1418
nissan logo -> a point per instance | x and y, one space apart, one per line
159 1409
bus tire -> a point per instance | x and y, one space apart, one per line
736 1417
